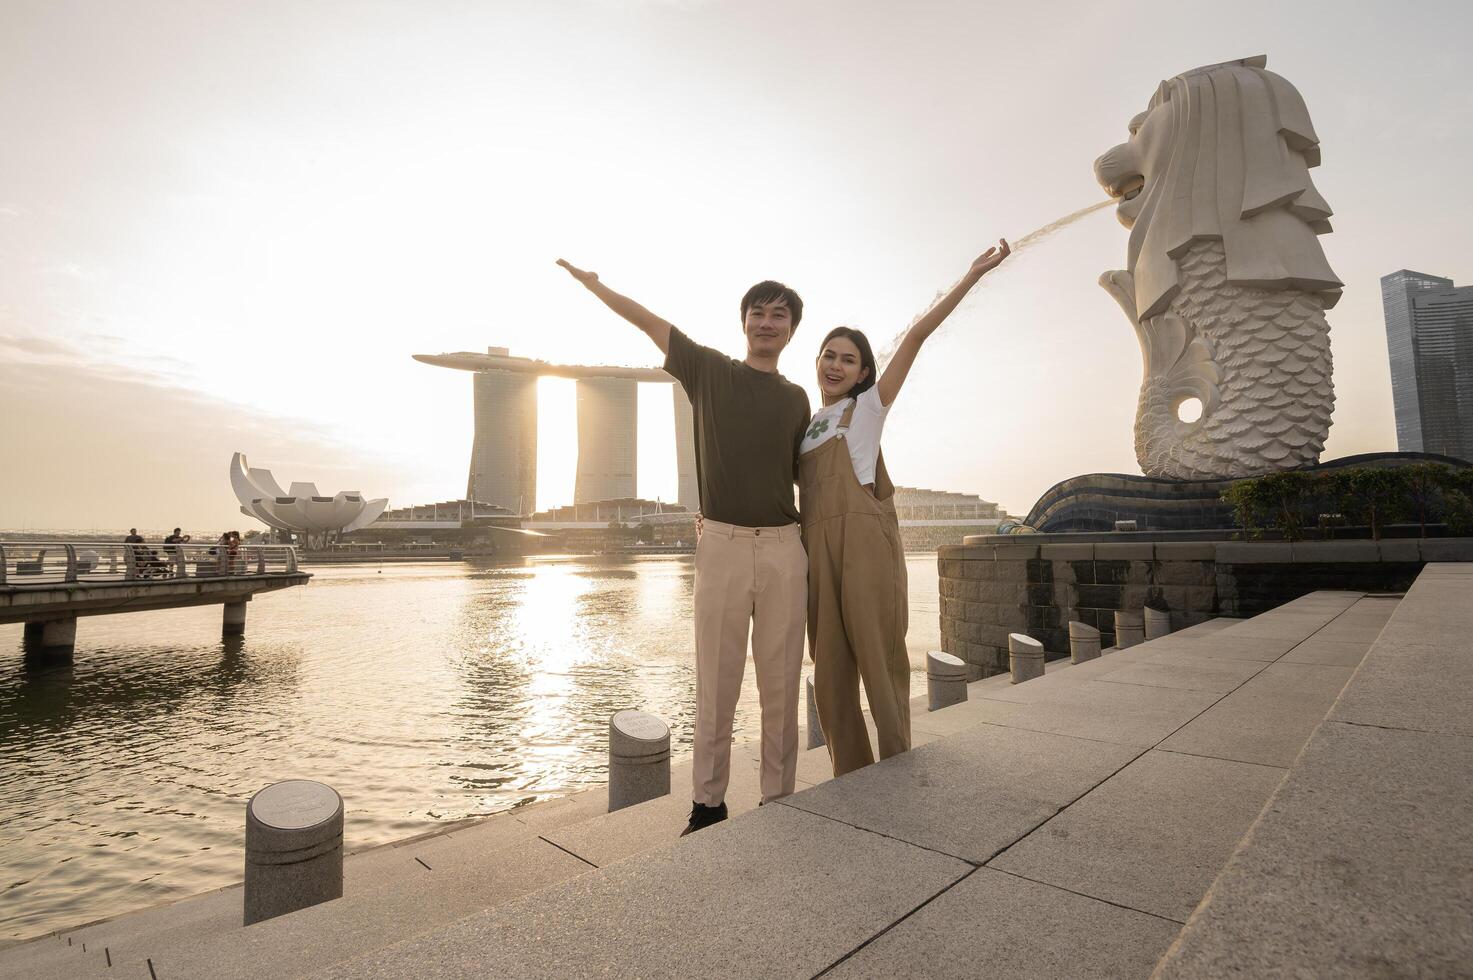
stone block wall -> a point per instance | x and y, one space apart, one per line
997 584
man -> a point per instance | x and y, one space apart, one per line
751 570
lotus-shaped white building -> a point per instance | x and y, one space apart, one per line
301 509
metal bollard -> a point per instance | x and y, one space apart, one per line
639 759
1129 629
946 680
815 730
1084 642
1025 657
294 848
1158 623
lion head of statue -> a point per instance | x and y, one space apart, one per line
1223 152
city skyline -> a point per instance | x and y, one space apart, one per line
228 229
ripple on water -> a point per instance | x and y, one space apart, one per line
423 693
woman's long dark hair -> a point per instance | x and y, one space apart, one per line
866 357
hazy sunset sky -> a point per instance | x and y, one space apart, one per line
227 226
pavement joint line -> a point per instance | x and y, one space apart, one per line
870 830
152 975
426 866
1196 690
897 922
1219 758
1039 826
1042 731
1395 728
566 851
1092 898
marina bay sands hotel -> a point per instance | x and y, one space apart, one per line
504 455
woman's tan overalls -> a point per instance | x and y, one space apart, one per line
857 610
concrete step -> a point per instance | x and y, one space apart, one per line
461 881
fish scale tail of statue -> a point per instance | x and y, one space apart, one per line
1226 283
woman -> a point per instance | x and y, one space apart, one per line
857 609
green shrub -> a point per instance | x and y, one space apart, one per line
1280 500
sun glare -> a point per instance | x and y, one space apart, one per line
557 441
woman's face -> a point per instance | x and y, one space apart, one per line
839 368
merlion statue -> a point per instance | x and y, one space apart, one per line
1226 283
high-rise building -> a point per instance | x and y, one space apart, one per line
687 491
1429 337
504 455
608 443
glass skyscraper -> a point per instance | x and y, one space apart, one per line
1429 337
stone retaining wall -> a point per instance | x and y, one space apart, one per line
1003 584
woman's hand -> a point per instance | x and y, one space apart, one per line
992 258
581 275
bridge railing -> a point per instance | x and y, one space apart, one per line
61 562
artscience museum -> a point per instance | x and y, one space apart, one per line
299 509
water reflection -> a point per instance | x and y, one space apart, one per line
423 693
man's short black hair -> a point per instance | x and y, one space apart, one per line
769 291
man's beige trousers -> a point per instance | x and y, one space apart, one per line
757 579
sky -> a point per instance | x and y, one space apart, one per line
226 227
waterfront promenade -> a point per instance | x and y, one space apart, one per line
49 584
1246 780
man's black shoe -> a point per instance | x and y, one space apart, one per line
702 816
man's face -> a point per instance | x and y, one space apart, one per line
769 327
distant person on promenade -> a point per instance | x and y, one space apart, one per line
146 561
177 538
857 601
751 570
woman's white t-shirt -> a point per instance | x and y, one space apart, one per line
863 435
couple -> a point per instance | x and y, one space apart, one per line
842 573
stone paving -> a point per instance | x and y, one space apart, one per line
1068 826
1362 863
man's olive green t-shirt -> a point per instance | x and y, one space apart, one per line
748 426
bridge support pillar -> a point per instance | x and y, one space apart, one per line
59 636
31 639
234 619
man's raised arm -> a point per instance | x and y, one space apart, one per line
657 329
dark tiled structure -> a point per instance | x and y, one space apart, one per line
1095 501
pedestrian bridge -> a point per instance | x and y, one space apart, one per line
48 584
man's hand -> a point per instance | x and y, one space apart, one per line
655 328
583 276
992 258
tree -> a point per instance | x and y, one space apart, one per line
1424 489
1377 496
